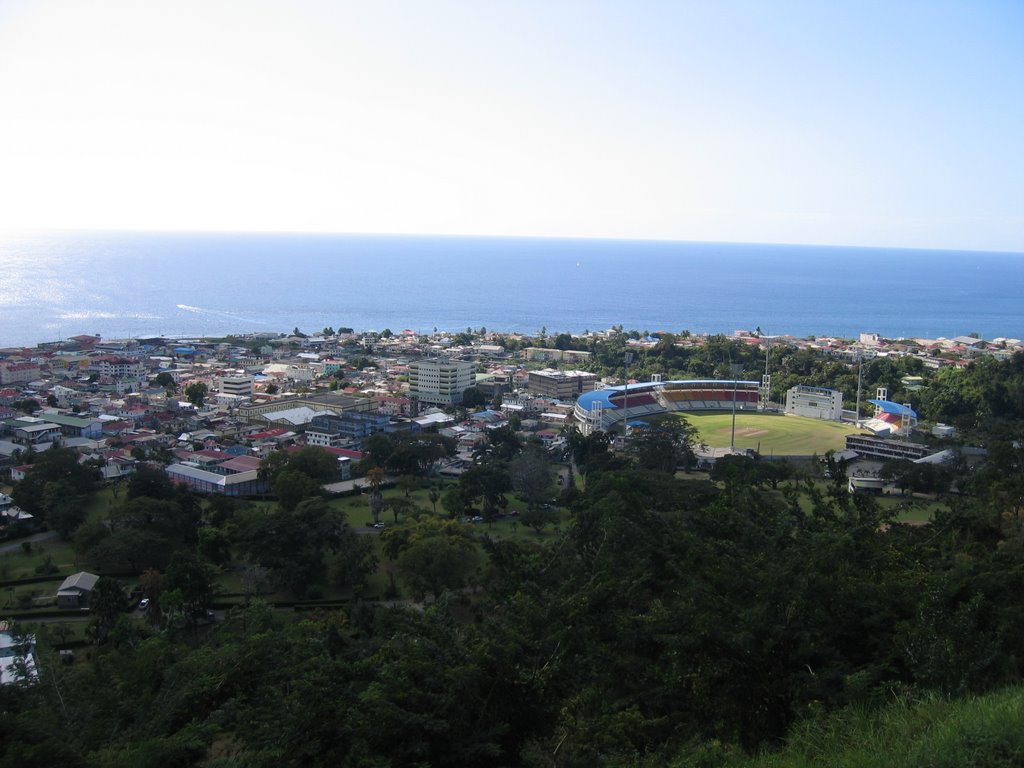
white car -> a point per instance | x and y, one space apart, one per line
144 604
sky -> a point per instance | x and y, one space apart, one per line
847 123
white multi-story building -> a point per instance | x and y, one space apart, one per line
236 385
815 402
118 367
438 382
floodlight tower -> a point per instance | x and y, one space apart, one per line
595 418
628 358
860 369
905 424
765 390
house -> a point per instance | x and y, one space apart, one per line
74 591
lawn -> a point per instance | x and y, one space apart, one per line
20 565
772 434
909 509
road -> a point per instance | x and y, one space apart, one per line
16 546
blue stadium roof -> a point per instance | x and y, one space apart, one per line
587 399
888 406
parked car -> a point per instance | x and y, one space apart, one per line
144 604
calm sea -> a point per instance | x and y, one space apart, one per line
129 284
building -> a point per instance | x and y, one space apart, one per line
332 402
29 430
871 447
815 402
545 354
77 426
117 367
561 385
602 409
18 373
17 656
330 430
438 382
74 591
236 385
205 481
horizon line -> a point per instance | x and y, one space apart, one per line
463 236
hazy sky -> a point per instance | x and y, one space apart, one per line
841 122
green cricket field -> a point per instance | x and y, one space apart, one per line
772 434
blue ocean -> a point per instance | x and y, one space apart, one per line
54 285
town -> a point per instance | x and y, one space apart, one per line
183 490
219 406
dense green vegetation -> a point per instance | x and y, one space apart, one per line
754 617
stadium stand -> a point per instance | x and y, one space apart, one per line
603 408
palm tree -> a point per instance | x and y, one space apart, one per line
376 478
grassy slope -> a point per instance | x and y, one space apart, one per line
982 732
770 433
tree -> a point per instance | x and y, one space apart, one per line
487 482
107 602
153 584
316 463
376 478
473 397
355 561
588 452
408 484
64 510
537 518
194 579
502 444
214 545
432 555
271 465
292 487
129 549
456 500
291 543
401 506
58 485
664 444
531 477
166 380
563 341
196 393
150 481
175 521
437 564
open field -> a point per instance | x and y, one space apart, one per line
772 434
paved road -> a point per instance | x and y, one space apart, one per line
16 546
